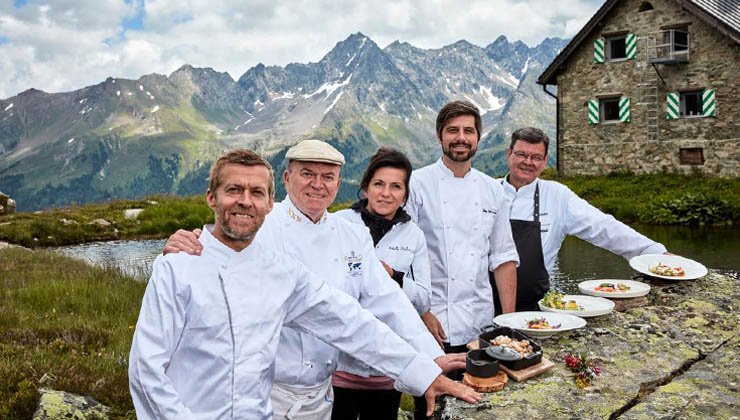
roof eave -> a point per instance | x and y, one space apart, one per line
548 77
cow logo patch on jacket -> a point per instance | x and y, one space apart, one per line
354 264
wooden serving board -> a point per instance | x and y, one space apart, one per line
521 375
492 384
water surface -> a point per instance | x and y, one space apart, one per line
715 247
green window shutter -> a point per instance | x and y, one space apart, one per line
631 42
624 109
707 103
599 50
593 111
672 105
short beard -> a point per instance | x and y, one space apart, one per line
248 236
458 157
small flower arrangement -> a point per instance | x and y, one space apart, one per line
585 369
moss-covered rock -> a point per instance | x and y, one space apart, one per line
63 405
673 358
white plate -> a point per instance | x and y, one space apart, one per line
636 288
692 269
592 306
518 321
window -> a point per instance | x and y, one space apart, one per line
616 47
691 104
609 109
691 156
675 46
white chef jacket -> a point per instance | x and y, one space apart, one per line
564 213
208 331
467 235
401 248
342 253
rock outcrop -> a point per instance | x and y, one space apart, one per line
7 204
674 357
63 405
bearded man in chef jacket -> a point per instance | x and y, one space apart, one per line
543 213
340 253
463 215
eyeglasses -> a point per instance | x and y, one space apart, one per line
524 156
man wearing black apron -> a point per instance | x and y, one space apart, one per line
533 281
564 213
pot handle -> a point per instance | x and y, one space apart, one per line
488 328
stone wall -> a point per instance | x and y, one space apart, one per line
7 204
606 147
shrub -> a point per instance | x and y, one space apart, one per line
691 209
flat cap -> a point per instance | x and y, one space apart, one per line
315 151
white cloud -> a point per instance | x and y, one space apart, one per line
68 44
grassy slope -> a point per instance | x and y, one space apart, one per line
161 216
66 322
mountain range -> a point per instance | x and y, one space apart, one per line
159 134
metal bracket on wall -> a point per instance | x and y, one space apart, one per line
657 71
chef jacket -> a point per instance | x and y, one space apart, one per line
404 249
342 254
467 234
564 213
209 326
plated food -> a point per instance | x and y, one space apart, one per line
666 270
545 324
612 288
669 267
556 300
588 306
541 324
512 348
522 347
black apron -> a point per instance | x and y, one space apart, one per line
533 281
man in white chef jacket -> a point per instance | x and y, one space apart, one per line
543 213
342 254
207 335
461 211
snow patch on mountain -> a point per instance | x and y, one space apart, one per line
334 102
329 88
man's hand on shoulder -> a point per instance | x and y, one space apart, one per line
184 241
445 386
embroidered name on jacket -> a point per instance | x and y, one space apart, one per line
354 264
399 248
491 211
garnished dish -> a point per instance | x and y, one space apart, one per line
669 267
578 305
666 270
557 300
611 287
614 289
522 347
541 324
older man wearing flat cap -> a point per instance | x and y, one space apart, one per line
341 253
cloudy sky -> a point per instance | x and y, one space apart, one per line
62 45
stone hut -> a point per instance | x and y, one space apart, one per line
649 86
7 204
